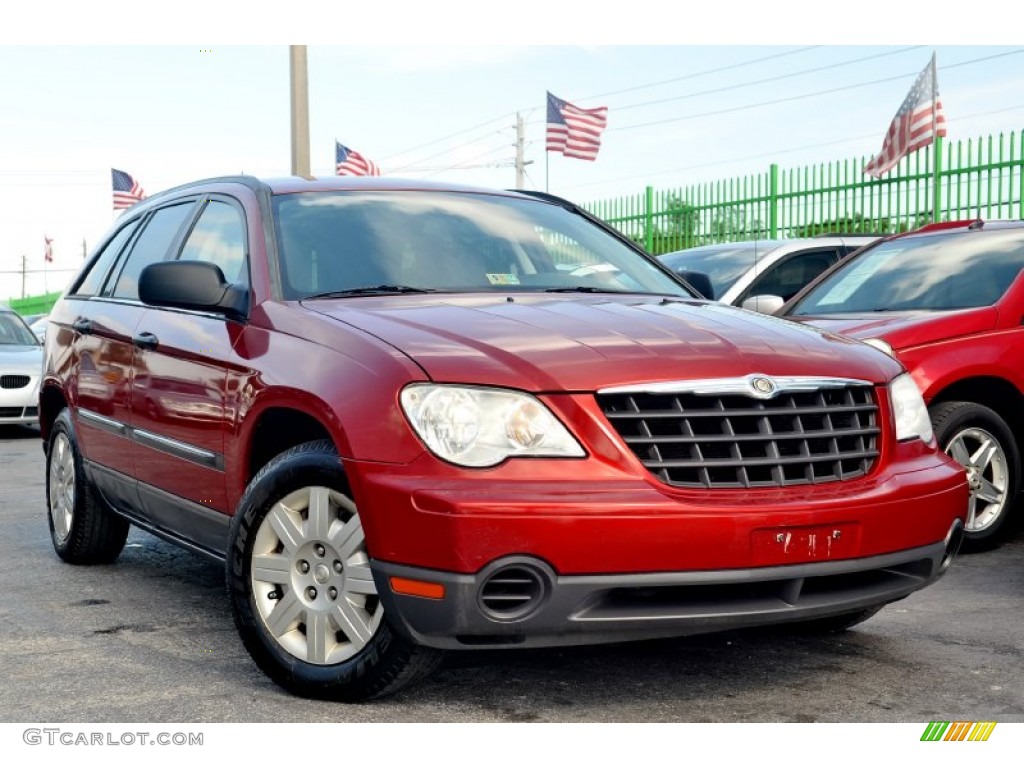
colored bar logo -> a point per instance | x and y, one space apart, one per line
958 731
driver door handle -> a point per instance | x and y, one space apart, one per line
145 340
83 326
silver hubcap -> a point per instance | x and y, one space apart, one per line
62 486
987 475
311 578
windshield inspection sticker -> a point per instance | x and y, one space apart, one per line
503 279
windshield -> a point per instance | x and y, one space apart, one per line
400 241
723 264
13 331
947 270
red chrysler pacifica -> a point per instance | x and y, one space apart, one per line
412 418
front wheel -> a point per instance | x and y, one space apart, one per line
301 587
981 441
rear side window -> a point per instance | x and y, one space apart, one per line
150 247
92 282
219 238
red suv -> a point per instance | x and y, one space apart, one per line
948 301
412 418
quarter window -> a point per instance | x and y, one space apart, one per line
92 282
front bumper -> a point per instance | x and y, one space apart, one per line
21 405
559 610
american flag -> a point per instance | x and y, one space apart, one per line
351 163
573 131
48 253
916 123
127 191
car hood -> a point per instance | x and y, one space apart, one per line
906 329
547 343
21 359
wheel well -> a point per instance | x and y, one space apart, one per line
51 403
998 394
277 430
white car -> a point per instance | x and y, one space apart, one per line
756 274
21 369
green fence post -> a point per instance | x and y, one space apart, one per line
773 201
649 220
937 193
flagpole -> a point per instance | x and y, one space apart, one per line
547 167
937 146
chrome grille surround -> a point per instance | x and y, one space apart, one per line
751 431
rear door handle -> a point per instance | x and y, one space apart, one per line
83 326
145 340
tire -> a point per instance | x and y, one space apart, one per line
83 529
301 590
979 439
833 624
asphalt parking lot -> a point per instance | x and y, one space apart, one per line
150 639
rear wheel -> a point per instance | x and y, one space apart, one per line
981 442
83 529
301 587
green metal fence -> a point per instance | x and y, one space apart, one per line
976 178
34 305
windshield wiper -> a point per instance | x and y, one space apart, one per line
583 289
370 290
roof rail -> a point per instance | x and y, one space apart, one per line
938 226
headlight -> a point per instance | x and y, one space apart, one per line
881 344
909 409
479 427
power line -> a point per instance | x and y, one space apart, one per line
714 71
788 99
772 153
776 78
449 136
534 108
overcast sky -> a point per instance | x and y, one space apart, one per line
679 113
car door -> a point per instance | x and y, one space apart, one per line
178 393
106 313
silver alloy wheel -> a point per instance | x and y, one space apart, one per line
310 577
62 486
987 475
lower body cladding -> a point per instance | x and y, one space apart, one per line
520 601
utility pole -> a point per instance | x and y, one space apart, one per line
84 251
300 111
520 145
24 269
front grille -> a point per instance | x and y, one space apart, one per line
737 441
10 381
10 413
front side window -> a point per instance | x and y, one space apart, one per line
345 241
942 271
789 275
723 264
219 238
150 247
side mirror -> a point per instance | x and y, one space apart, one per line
699 281
195 285
766 305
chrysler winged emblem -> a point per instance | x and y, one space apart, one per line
762 386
